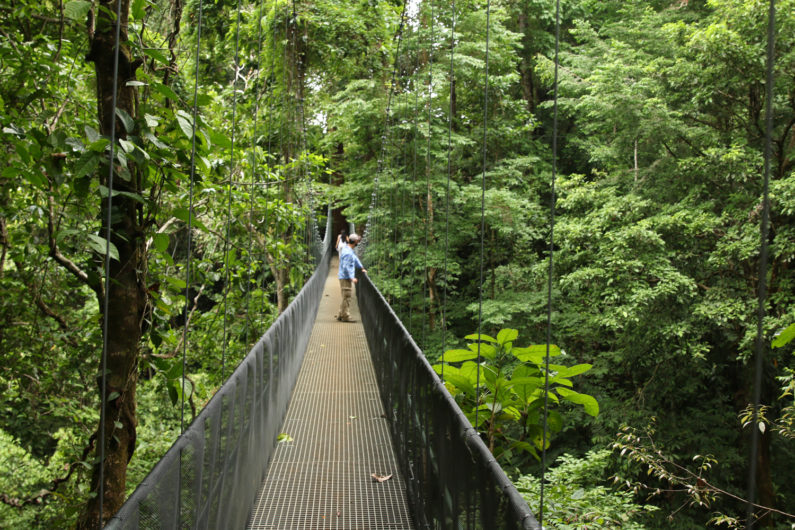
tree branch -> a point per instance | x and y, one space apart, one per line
44 493
65 262
4 243
679 476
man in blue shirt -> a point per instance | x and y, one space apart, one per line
349 262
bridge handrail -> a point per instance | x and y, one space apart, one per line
211 475
452 479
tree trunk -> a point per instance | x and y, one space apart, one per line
126 292
281 276
525 68
4 244
766 495
433 298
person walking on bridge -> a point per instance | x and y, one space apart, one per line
349 262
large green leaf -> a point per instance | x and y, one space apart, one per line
785 336
185 123
87 164
507 335
571 371
161 57
455 356
525 387
161 242
138 9
535 353
486 350
589 402
220 139
100 245
126 120
77 10
461 382
475 336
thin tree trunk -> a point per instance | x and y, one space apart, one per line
526 73
4 244
430 273
175 14
126 292
433 297
764 479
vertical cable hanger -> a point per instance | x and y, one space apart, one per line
550 271
413 190
763 257
190 216
483 207
428 220
106 301
229 194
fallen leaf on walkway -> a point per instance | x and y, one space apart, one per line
381 478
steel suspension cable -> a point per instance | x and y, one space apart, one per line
763 258
402 163
229 194
106 301
482 208
190 215
550 270
414 209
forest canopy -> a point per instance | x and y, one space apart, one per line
236 123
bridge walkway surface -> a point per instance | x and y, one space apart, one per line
335 438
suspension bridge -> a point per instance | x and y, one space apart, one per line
369 436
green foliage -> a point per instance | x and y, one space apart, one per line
784 337
577 495
503 388
785 424
656 229
253 197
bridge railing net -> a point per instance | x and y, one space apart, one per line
452 479
210 477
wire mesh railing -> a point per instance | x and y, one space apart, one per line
210 477
452 480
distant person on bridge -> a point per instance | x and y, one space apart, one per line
349 262
342 239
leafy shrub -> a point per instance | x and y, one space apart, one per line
576 496
502 390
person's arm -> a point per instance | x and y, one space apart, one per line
359 264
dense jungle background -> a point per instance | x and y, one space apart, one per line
379 109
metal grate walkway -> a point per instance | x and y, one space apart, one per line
321 478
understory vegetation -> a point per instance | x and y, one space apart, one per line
237 122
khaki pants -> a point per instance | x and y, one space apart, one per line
346 286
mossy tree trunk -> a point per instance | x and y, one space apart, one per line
127 295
